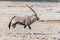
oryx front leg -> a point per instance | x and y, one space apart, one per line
24 26
29 27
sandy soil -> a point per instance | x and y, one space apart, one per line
47 29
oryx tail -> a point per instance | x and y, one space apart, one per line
11 21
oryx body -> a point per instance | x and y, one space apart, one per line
26 20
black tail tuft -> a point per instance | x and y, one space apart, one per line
9 25
10 22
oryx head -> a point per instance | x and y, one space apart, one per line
37 18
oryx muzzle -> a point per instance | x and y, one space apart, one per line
25 20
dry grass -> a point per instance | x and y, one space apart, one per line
47 29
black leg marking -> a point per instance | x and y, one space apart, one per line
14 25
29 27
24 26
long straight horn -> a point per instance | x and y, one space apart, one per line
32 10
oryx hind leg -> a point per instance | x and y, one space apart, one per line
14 25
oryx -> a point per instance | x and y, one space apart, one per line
25 20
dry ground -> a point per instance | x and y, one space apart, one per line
47 29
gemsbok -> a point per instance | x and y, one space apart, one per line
25 20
